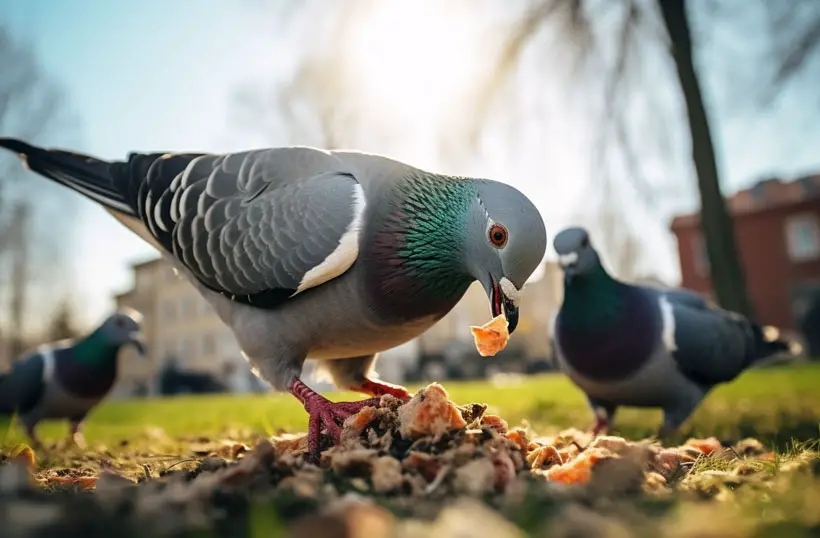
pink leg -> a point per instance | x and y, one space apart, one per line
601 426
602 422
325 413
77 436
380 388
35 441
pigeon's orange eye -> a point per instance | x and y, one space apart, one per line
498 235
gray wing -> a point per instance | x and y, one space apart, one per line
712 345
681 296
688 298
22 387
257 226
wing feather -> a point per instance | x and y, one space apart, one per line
258 226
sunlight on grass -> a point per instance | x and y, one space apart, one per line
776 404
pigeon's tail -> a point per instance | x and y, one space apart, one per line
767 345
87 175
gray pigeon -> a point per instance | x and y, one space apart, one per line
66 379
327 255
629 345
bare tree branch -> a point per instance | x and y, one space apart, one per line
794 32
803 47
30 108
508 59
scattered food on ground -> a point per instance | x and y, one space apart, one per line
424 467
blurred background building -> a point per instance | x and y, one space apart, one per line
184 336
777 226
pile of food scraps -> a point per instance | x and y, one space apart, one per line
416 458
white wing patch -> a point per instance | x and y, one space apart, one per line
345 254
48 363
668 327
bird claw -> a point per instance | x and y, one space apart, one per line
325 414
665 431
331 416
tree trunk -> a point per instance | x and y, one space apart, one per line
19 279
727 277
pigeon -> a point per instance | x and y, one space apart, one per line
304 253
642 346
67 379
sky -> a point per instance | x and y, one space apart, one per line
154 75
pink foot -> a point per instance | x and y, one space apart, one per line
324 413
601 426
380 388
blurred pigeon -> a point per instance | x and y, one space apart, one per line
326 255
66 379
643 346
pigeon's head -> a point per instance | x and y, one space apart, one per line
123 328
506 242
576 255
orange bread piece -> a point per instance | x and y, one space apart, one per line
491 337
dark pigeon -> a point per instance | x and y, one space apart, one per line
66 379
643 346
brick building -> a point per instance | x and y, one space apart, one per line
777 229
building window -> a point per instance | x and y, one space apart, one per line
143 279
803 237
187 350
205 308
700 256
188 306
207 345
169 310
168 350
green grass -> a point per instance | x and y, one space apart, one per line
775 404
750 498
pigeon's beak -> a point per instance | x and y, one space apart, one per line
139 344
500 303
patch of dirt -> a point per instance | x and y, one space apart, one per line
423 467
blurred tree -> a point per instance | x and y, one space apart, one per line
312 107
726 272
627 57
62 324
795 41
795 46
31 107
633 25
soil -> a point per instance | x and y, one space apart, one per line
397 467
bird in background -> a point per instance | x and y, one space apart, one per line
310 254
632 345
67 379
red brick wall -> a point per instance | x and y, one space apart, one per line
770 273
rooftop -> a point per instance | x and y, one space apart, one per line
764 195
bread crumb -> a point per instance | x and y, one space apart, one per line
429 412
491 337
